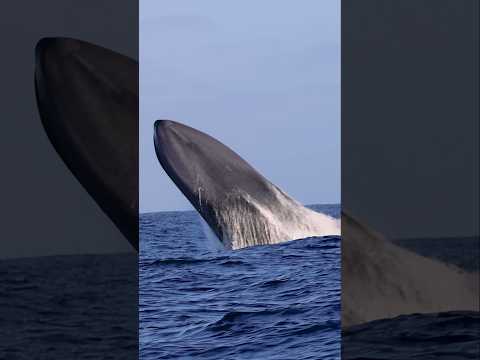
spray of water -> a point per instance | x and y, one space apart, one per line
244 221
212 242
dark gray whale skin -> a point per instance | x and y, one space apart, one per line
87 97
210 175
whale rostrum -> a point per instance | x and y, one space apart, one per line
241 207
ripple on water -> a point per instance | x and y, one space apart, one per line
267 302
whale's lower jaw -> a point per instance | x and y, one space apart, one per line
241 221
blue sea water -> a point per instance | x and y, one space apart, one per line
271 302
69 307
452 335
277 302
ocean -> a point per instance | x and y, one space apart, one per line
267 302
277 302
69 307
452 335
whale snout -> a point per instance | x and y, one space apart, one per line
175 143
164 125
170 131
50 52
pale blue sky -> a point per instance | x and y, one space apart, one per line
263 77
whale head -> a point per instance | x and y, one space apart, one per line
87 97
208 173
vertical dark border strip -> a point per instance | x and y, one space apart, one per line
68 277
410 173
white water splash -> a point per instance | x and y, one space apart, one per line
244 221
212 241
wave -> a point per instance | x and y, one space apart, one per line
447 335
279 301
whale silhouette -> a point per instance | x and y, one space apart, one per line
87 97
241 207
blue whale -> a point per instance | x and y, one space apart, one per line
241 206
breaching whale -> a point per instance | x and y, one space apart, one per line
87 97
241 207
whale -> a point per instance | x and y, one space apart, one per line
383 280
87 97
241 207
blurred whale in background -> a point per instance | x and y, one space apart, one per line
382 280
241 207
87 97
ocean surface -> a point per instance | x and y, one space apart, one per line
453 335
69 307
271 302
278 302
